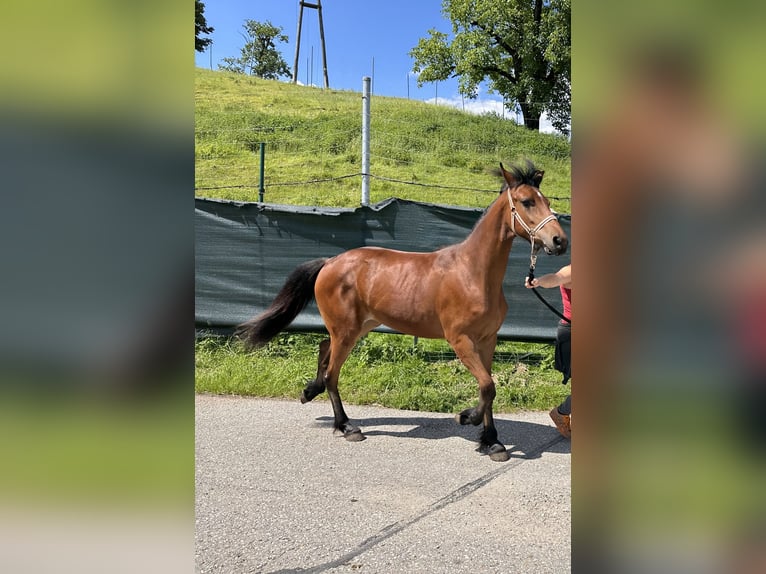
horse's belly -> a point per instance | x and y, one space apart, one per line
425 329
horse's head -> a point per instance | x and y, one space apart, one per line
530 212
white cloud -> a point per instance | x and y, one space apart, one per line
478 106
298 82
545 125
482 106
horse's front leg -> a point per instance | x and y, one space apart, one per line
478 360
488 442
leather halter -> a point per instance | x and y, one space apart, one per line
531 232
533 255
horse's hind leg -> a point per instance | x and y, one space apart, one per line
340 348
317 386
327 378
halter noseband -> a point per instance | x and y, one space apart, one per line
531 232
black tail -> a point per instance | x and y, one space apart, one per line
296 293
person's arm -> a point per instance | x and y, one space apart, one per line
561 277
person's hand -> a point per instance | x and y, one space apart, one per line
533 283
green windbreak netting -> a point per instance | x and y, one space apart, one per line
245 251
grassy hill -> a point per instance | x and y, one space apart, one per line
314 134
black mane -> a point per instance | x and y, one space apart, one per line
524 175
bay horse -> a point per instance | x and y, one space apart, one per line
454 293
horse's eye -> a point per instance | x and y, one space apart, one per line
528 203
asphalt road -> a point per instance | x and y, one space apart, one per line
276 491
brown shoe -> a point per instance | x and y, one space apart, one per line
562 422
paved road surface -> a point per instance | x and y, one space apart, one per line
277 492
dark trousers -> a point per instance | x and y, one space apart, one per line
563 360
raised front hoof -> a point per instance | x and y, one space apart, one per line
350 433
468 417
308 393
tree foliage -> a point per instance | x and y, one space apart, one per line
259 56
521 48
201 27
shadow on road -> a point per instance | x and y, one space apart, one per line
522 439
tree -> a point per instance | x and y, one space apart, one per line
260 56
520 47
201 27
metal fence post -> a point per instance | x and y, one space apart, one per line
365 140
261 189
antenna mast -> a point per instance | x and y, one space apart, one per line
318 8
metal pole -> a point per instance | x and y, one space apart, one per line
365 140
297 45
321 37
260 178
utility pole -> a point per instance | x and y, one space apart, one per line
318 7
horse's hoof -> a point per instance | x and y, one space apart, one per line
498 453
306 397
350 433
354 435
468 417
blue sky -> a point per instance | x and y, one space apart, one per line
356 32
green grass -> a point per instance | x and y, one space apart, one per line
313 134
386 370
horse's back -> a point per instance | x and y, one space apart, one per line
385 286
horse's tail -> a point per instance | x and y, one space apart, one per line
296 293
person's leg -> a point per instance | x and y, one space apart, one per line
562 357
561 417
563 363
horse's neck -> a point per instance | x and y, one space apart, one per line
489 244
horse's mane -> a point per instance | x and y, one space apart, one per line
523 174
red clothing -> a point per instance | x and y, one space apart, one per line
566 300
751 328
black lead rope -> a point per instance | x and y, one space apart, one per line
551 307
533 256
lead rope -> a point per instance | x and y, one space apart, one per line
533 255
532 263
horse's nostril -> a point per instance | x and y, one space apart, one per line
556 240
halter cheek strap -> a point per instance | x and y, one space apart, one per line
531 232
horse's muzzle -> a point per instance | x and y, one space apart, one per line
559 247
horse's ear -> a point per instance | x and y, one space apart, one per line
508 177
538 177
